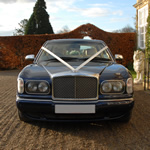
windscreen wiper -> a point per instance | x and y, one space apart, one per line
97 59
64 58
69 58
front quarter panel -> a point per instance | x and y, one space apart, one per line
115 72
34 72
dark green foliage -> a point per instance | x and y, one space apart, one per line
31 25
39 20
130 66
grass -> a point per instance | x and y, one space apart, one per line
133 73
130 68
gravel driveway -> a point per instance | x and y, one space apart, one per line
17 135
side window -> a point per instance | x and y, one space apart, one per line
105 55
44 56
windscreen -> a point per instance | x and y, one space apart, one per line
70 50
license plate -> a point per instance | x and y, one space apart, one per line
74 109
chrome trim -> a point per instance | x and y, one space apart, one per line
76 75
30 57
80 73
39 82
108 51
95 101
75 102
113 81
116 100
37 56
118 56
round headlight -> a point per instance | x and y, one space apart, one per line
107 87
32 87
117 86
43 87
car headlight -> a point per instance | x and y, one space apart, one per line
37 87
32 87
112 87
43 87
117 86
130 85
20 85
107 87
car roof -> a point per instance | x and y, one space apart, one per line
74 40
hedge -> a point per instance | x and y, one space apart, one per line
13 49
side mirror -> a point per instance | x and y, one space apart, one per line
118 57
29 57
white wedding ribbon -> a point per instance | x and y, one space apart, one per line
69 66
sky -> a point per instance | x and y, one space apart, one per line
108 15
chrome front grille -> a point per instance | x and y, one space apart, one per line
75 87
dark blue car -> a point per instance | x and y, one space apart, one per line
74 80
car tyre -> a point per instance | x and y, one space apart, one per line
22 117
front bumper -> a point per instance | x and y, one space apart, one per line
40 109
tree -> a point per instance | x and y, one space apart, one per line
21 30
64 29
31 25
39 20
126 29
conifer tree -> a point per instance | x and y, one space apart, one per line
31 26
39 20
